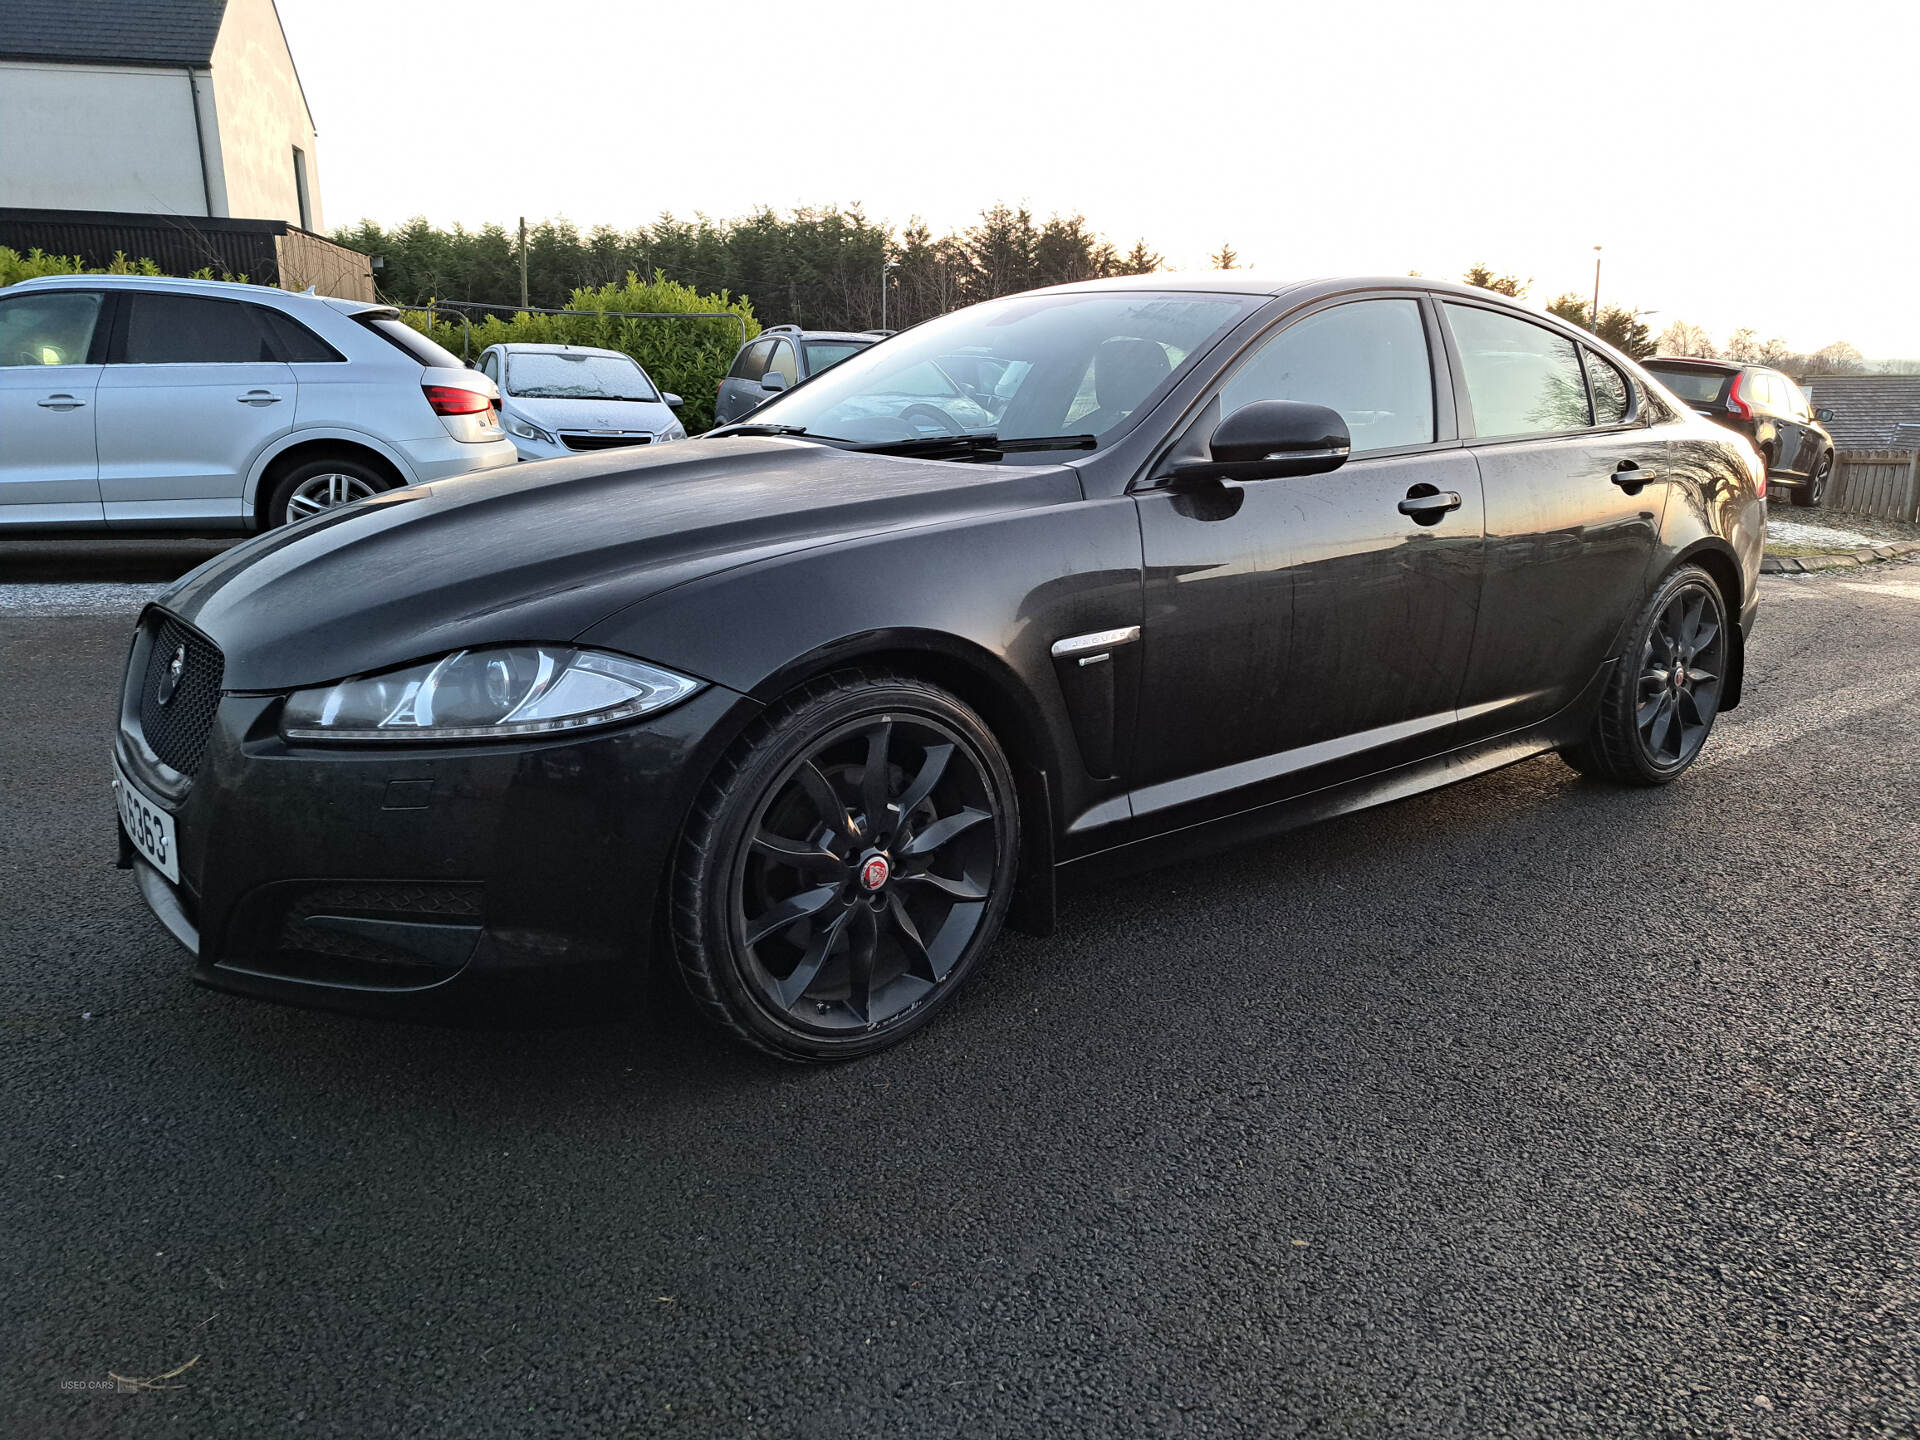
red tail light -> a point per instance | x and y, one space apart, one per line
452 400
1734 401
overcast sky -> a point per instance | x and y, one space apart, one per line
1744 164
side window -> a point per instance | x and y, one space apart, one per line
752 361
1611 398
192 330
1796 399
782 362
294 342
54 327
490 366
1366 359
1522 378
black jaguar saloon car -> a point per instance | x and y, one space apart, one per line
809 707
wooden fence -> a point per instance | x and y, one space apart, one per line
1882 483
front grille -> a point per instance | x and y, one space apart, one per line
576 441
177 729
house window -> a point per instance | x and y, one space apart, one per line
300 188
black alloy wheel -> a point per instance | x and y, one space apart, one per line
848 866
1815 489
1661 702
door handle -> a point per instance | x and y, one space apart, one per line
1630 477
258 397
1425 505
60 402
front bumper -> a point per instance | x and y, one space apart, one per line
428 879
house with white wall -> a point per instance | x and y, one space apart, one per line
181 107
124 121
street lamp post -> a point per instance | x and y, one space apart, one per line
890 265
1595 326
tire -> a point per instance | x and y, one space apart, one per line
1815 489
305 490
884 918
1683 620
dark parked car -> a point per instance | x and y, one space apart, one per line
778 359
836 692
1767 408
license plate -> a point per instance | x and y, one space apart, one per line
148 826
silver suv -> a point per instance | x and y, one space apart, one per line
137 403
779 359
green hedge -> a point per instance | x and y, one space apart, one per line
688 357
15 267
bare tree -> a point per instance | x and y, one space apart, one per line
1686 339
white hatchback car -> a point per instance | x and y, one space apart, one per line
130 402
562 399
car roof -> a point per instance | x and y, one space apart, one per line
217 289
794 332
1701 362
530 347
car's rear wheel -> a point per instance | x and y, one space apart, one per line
1815 489
1664 695
846 867
321 484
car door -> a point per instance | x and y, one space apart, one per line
1301 631
49 470
1806 439
1574 506
741 391
194 389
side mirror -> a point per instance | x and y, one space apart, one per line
674 402
1823 414
1270 440
773 380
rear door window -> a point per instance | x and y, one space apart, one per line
1611 397
193 330
295 343
1522 378
751 363
52 327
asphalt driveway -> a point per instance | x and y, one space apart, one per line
1532 1107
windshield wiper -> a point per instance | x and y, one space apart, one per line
723 431
975 446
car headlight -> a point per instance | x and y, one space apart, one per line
526 429
484 695
675 431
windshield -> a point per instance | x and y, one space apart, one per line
823 353
1691 383
562 375
1024 367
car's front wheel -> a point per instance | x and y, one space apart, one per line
1664 695
1815 489
846 867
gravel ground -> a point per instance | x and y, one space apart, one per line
1820 529
1531 1107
